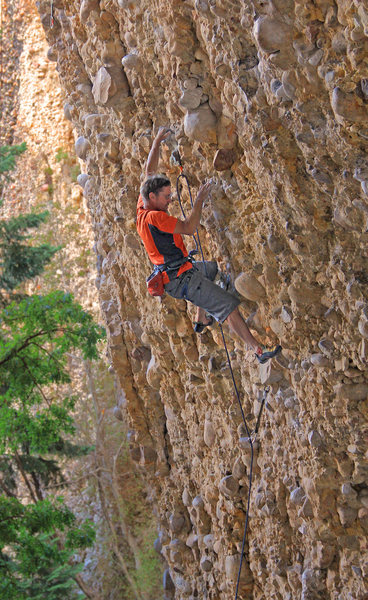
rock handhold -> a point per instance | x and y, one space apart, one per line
186 497
319 360
315 439
209 434
271 34
52 54
206 564
286 314
82 179
224 159
200 125
168 583
275 244
176 522
95 121
268 374
68 108
208 541
86 8
353 391
302 293
102 86
229 486
347 515
191 98
297 496
131 61
82 146
327 347
346 105
148 456
117 413
363 326
157 545
249 287
232 564
153 373
238 469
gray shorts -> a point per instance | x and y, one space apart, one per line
196 285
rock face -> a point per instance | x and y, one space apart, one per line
282 87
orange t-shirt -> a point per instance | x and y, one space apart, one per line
156 228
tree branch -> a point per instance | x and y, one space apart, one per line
24 475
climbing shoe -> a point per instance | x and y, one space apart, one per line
267 354
199 327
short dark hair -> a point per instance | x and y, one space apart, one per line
153 184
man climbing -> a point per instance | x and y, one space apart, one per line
163 241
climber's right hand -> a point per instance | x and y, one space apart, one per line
162 134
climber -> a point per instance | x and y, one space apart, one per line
182 278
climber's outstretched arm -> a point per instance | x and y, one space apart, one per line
154 154
190 224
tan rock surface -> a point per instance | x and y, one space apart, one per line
288 80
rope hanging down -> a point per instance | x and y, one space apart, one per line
52 14
266 389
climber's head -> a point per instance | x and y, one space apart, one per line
156 192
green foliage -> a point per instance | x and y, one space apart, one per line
39 536
61 155
37 543
8 155
18 260
146 574
35 336
74 172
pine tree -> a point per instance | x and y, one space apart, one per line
37 542
38 533
19 261
8 155
38 538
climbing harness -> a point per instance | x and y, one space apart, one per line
155 282
251 436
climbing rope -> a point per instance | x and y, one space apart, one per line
52 14
265 391
196 237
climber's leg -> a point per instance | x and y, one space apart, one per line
239 326
201 316
202 320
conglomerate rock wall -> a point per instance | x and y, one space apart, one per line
270 98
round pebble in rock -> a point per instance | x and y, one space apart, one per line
168 583
82 146
249 287
131 61
224 159
200 125
275 244
229 486
206 564
297 496
271 34
82 179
